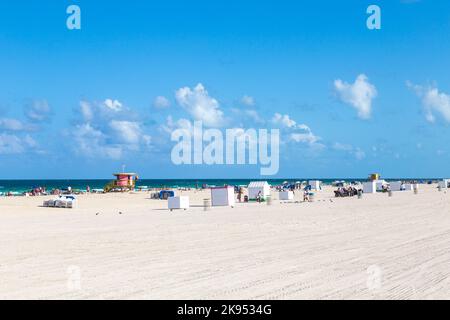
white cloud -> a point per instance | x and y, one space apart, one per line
307 137
433 101
283 120
91 142
14 125
253 114
86 111
13 144
107 130
161 102
126 131
200 105
114 105
356 152
359 154
299 133
38 111
248 101
342 147
359 95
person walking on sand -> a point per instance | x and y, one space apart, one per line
240 192
88 189
258 197
306 196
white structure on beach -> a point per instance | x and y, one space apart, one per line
63 201
369 187
380 184
255 187
444 183
315 184
286 195
222 196
395 185
409 187
181 202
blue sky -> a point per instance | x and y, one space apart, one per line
347 100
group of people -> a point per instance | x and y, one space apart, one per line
348 191
38 191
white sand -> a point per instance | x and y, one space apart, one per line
376 247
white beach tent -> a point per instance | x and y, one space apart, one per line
222 196
255 187
180 202
315 184
444 183
409 187
286 195
395 185
369 187
379 184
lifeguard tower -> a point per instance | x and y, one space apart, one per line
125 181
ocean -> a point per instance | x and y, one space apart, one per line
20 186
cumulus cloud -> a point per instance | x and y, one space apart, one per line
359 94
254 115
10 124
354 151
129 132
433 101
13 144
200 105
283 120
114 105
161 102
107 129
250 114
91 142
38 111
248 100
306 137
295 132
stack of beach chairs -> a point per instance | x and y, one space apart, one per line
69 202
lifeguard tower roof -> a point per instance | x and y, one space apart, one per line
124 174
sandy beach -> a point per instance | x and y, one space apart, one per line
377 247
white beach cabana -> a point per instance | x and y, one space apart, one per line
369 187
409 187
222 196
380 184
286 195
444 183
395 185
255 187
315 184
180 202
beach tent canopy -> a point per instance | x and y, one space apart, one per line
222 196
255 187
444 183
165 194
369 187
395 185
315 184
380 184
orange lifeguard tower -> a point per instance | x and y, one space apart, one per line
124 182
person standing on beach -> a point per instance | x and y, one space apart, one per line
240 192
